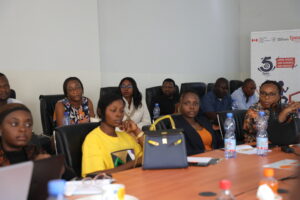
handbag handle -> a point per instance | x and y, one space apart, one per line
153 126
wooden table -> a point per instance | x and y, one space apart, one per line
244 171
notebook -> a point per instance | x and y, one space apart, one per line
15 181
43 171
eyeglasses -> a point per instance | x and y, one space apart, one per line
74 89
168 87
126 86
265 94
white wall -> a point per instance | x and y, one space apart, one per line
42 42
188 40
264 15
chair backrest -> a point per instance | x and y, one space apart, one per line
210 87
154 92
199 87
68 141
234 84
239 116
107 90
150 93
12 94
47 106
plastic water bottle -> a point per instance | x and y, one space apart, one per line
269 180
225 193
230 141
66 118
56 189
262 135
156 111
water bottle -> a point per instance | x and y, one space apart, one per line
230 141
269 180
262 135
66 119
156 111
56 189
225 191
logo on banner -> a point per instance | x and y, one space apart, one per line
267 64
295 38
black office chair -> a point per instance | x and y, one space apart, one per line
42 141
12 94
210 87
239 116
234 84
150 93
47 106
154 92
199 87
68 141
107 90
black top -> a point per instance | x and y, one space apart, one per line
194 144
16 156
166 104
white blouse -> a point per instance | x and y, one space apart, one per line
140 116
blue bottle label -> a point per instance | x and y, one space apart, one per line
262 143
230 144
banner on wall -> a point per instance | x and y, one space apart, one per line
275 55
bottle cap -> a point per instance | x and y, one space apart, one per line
225 184
229 115
268 172
261 113
56 187
157 104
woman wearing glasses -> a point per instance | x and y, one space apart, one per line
269 102
79 108
135 109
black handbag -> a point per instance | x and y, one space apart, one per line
164 149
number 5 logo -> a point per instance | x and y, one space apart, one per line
267 65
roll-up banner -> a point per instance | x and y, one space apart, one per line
275 55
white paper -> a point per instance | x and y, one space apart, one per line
284 164
245 149
199 159
86 186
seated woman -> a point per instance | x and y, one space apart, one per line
107 150
199 135
269 102
135 109
16 132
79 108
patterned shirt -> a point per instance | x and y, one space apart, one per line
31 152
249 125
77 114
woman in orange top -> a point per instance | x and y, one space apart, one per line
199 135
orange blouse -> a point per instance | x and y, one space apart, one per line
206 139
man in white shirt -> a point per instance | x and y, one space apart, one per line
244 97
5 91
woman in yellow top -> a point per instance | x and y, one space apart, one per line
107 150
199 135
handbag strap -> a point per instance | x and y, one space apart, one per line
153 126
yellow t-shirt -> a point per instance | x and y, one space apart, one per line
101 151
